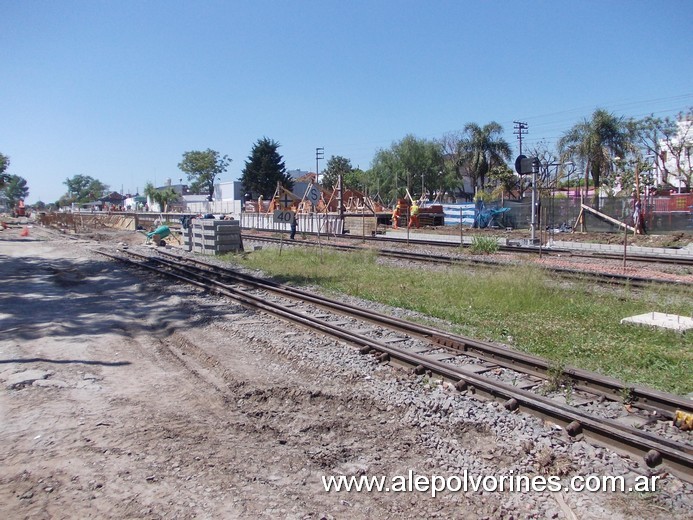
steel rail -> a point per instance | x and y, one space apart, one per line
640 396
655 451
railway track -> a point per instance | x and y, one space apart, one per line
531 250
683 261
441 259
630 419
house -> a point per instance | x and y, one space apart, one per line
134 202
114 199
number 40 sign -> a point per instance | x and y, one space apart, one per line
282 216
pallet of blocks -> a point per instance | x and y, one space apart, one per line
213 237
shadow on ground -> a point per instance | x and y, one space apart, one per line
72 298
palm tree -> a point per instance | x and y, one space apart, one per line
162 196
481 149
594 143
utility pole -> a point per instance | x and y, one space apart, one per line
520 129
535 171
319 154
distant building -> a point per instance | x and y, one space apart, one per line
134 202
296 174
226 191
112 199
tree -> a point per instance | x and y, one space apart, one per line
480 150
264 168
15 189
595 143
412 163
647 134
82 188
4 164
452 159
552 171
506 179
202 169
352 178
677 144
336 166
162 196
356 179
383 175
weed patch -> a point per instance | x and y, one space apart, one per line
483 245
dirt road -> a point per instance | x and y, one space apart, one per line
124 396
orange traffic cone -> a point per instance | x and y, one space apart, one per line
25 232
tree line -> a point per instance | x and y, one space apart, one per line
603 151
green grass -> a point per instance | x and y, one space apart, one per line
483 245
521 306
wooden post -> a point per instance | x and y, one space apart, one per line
637 204
541 228
581 217
363 224
408 210
605 217
625 244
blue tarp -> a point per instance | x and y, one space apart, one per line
489 217
472 215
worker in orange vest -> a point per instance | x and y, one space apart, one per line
414 215
395 216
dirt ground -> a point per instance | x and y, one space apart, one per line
124 396
135 401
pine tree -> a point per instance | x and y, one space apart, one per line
264 168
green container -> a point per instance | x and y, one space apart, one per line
162 231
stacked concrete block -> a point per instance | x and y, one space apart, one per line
213 237
361 225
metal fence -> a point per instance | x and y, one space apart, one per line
328 224
661 214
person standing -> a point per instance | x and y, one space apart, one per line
293 224
395 216
414 215
638 220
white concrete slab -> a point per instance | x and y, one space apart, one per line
662 321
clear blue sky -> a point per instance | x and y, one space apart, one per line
118 90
